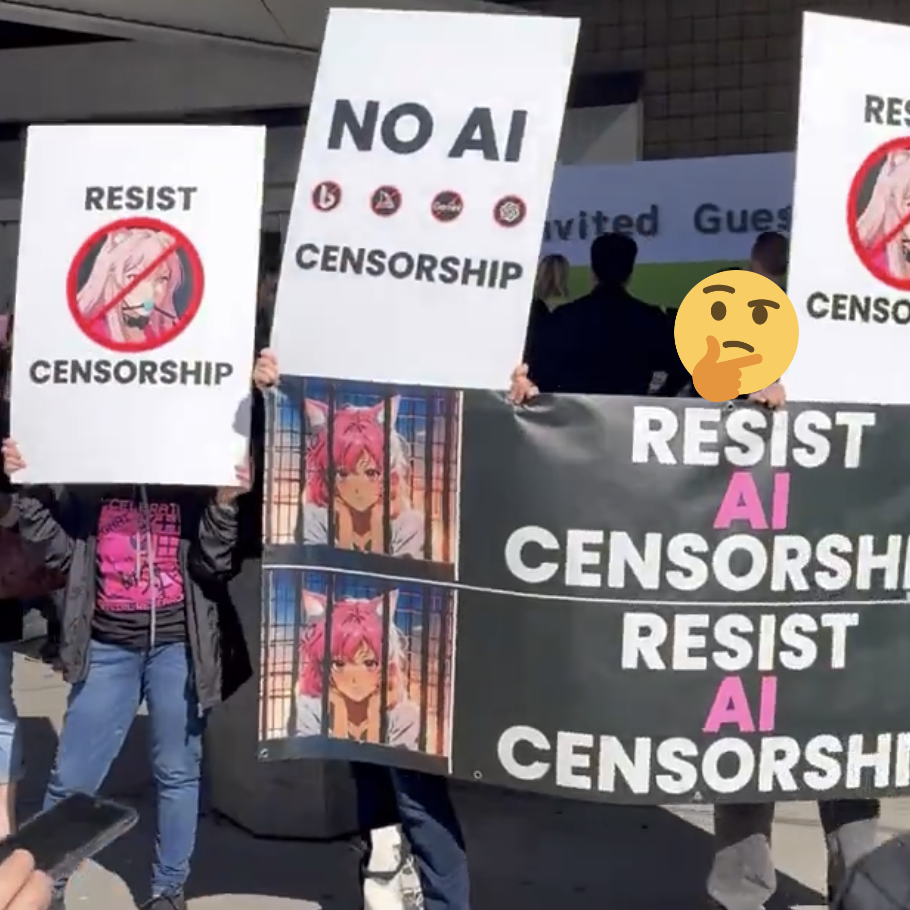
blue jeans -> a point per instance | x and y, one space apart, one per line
11 766
99 714
421 804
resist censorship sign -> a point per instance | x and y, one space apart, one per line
421 197
135 303
850 264
667 602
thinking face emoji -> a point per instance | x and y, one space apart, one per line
736 333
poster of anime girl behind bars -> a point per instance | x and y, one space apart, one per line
351 663
360 468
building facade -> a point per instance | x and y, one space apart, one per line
718 77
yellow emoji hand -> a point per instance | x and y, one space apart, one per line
720 381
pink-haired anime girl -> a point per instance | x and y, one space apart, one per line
147 311
355 676
879 228
352 477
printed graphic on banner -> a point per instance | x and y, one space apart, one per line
136 313
747 639
361 487
849 273
135 285
424 129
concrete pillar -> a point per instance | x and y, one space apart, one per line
292 799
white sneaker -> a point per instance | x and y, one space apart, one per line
390 879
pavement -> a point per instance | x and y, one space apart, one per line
531 852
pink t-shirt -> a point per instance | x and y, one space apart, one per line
138 556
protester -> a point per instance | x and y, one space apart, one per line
11 764
265 307
423 807
608 342
770 256
419 802
146 617
550 291
40 620
22 886
742 876
12 570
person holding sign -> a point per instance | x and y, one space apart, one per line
144 614
742 875
419 801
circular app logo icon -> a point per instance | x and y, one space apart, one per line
326 196
135 284
386 201
447 205
510 211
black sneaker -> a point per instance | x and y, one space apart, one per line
171 901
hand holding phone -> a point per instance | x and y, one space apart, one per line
22 886
61 839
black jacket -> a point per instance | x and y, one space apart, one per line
607 343
11 617
64 529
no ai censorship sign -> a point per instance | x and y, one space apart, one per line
135 284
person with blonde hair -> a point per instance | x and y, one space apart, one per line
882 227
551 289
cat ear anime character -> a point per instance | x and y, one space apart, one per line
354 651
147 311
353 477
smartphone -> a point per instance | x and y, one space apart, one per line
71 832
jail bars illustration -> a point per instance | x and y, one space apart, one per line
392 688
356 469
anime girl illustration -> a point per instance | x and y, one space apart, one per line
352 476
882 227
355 676
147 311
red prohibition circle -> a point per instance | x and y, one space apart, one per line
869 255
447 206
194 275
386 200
510 211
326 196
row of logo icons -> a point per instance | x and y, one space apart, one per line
446 206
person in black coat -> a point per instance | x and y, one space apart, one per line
608 342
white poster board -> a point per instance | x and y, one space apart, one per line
850 257
135 303
420 203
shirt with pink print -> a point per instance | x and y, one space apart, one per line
138 570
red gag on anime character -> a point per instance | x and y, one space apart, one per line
135 285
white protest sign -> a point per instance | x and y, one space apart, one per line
420 204
135 303
850 257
